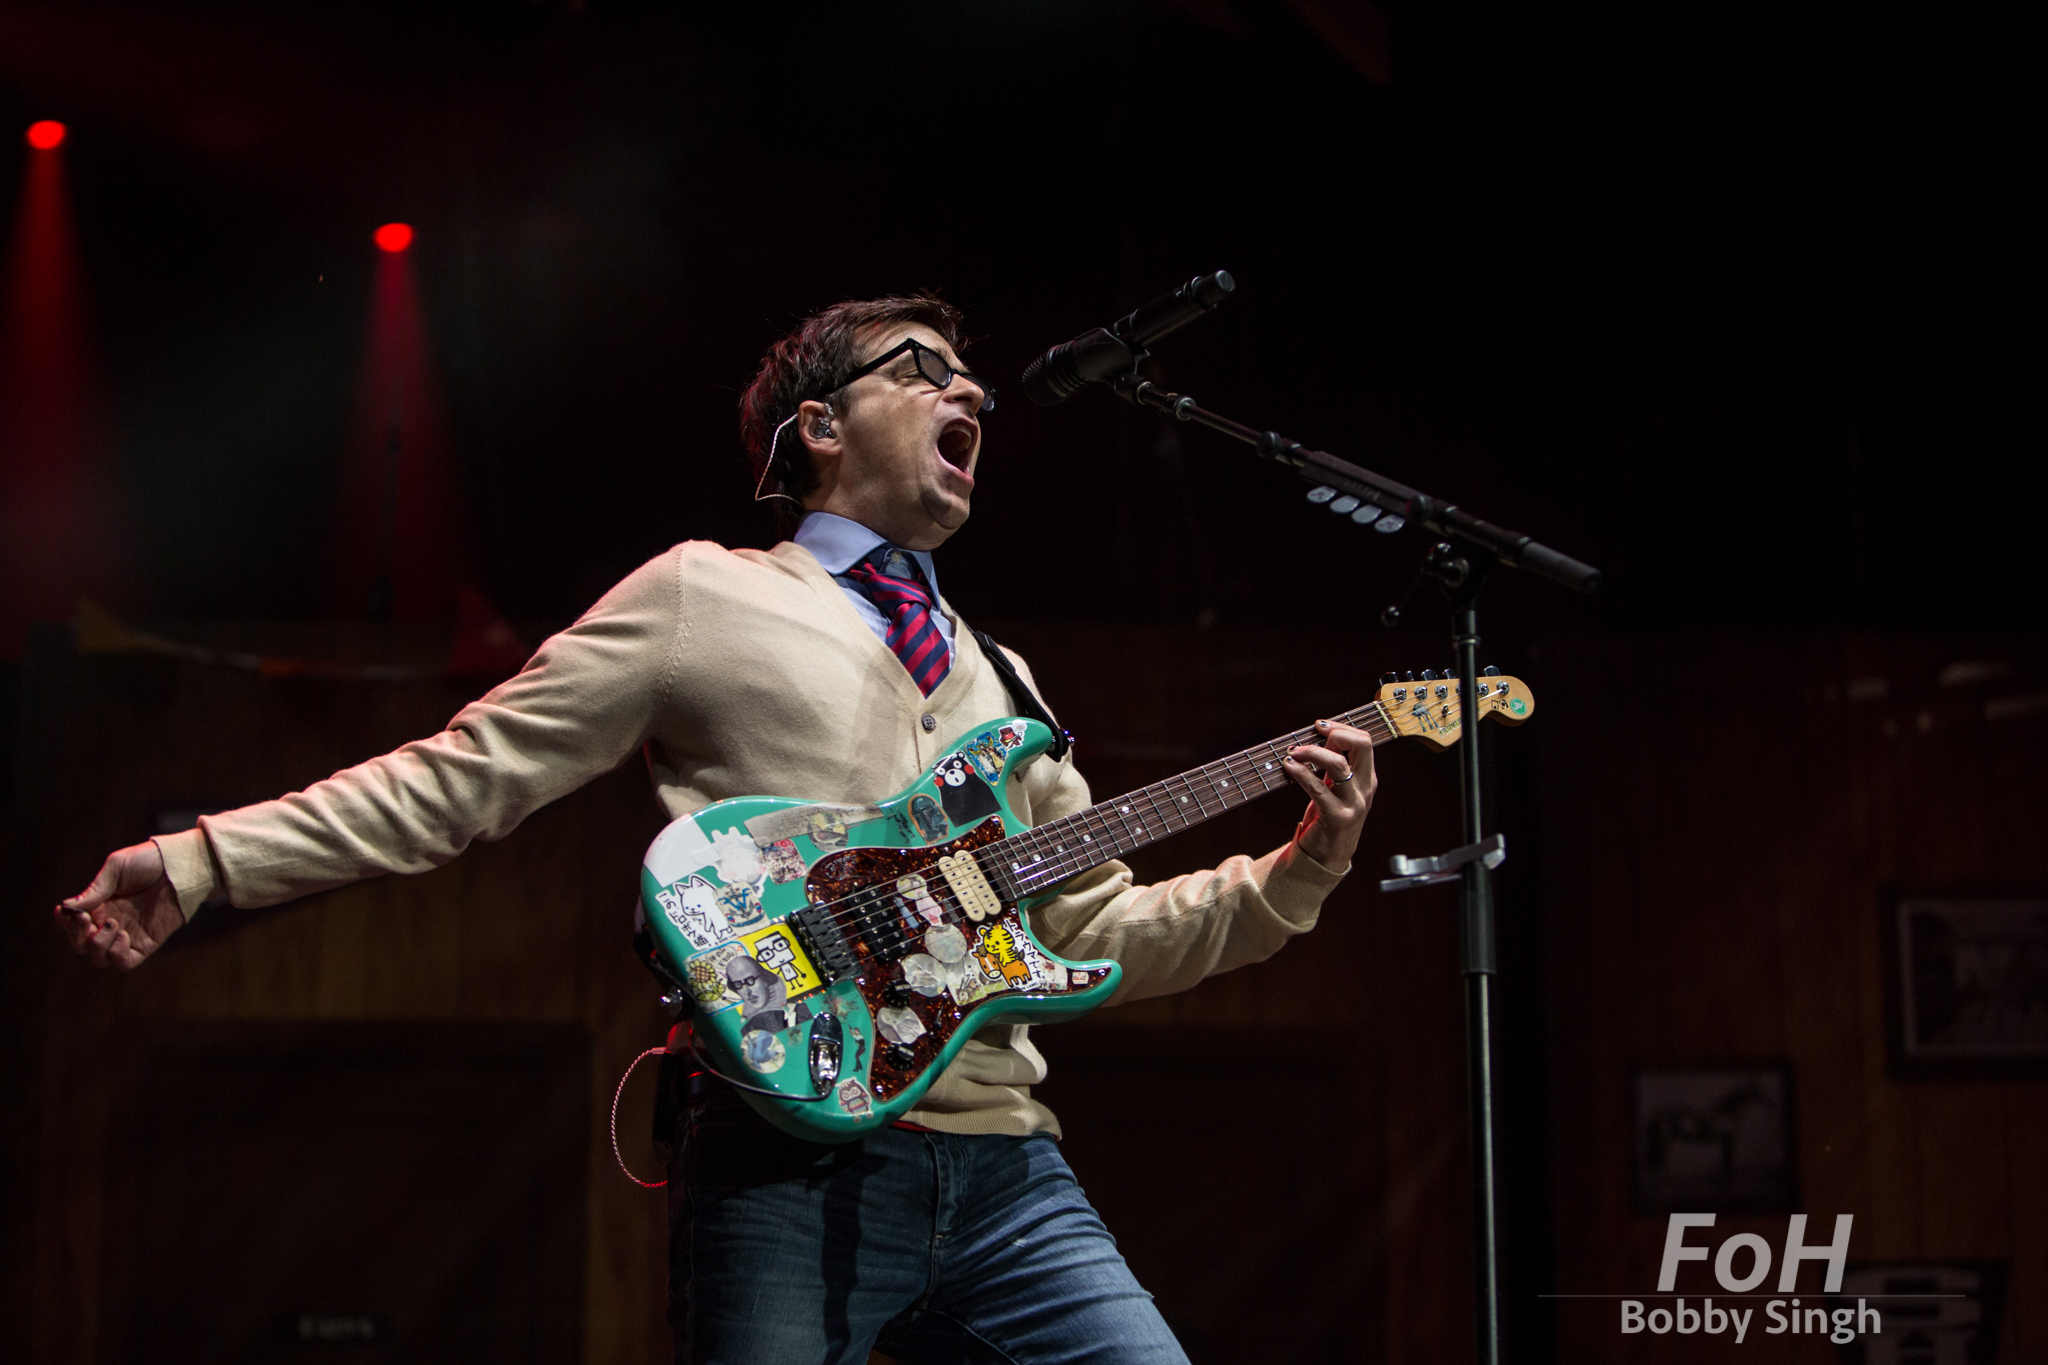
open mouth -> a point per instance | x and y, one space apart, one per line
956 445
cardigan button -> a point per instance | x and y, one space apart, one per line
930 722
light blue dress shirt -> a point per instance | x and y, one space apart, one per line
839 544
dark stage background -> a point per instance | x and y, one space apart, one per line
1740 308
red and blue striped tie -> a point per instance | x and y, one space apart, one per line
891 579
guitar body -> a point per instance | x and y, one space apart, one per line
840 956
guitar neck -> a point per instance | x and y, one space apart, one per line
1041 858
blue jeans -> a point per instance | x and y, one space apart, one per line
927 1246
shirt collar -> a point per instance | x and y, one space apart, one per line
838 544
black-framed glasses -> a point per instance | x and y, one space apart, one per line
932 367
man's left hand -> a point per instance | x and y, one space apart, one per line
1336 771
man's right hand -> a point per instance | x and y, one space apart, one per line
127 912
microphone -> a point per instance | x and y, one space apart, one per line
1099 353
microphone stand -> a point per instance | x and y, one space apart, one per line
1460 559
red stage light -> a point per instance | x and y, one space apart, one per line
46 135
393 237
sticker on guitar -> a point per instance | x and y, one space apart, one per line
824 823
1010 960
692 907
776 949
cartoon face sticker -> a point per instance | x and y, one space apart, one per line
761 992
931 822
853 1098
966 797
708 981
692 907
1010 737
1007 958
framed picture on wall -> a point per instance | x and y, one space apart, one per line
1715 1138
1966 982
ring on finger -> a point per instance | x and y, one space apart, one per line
1340 781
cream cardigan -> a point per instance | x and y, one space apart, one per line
743 673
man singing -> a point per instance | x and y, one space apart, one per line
828 668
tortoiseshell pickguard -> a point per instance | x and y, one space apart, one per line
846 873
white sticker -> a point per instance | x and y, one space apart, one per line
678 851
923 974
946 943
899 1025
830 818
692 907
738 857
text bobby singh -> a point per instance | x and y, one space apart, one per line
1841 1325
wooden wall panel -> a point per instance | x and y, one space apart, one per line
1720 814
532 928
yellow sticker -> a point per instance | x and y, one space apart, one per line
776 949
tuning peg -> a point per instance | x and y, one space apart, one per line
1429 675
1389 679
1489 672
1409 676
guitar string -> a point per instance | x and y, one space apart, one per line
1269 778
848 913
1234 765
885 910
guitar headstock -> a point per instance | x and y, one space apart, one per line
1431 710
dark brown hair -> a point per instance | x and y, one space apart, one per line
803 366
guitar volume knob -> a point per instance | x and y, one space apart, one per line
902 1054
896 993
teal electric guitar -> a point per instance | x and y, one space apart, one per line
838 956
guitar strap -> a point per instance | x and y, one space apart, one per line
1028 704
